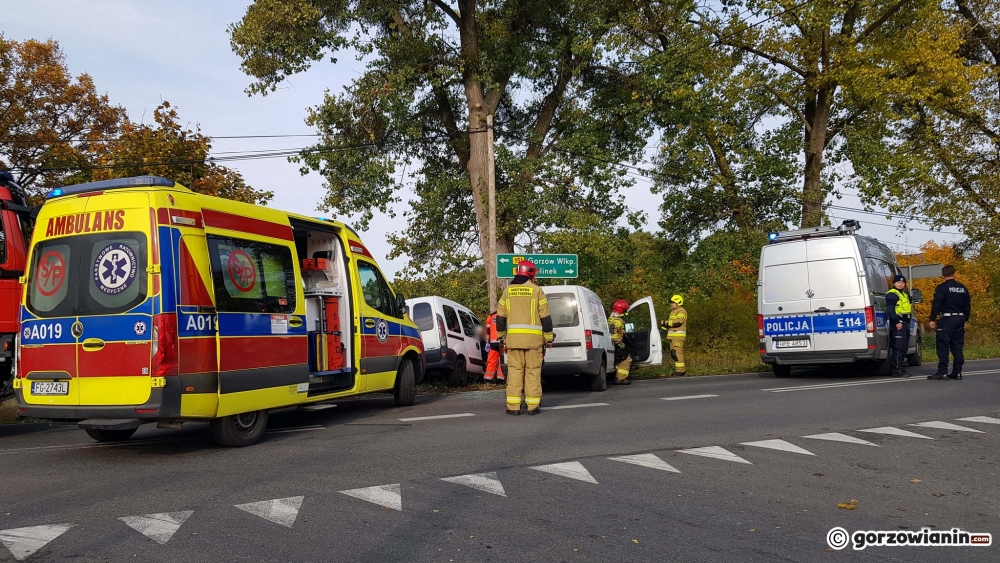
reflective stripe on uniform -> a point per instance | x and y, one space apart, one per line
525 331
679 365
622 371
513 400
532 400
676 333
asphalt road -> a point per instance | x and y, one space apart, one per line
362 481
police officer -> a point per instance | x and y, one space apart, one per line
900 311
676 326
623 359
952 302
524 327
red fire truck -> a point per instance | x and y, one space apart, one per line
15 232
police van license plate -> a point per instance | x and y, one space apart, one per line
50 388
791 344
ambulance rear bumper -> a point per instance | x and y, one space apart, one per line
163 403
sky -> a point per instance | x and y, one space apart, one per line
141 52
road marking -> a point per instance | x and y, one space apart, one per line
486 482
575 406
280 510
646 460
715 452
946 426
297 429
158 527
389 496
981 372
571 469
779 445
435 417
983 419
836 385
838 437
687 397
893 431
23 542
314 408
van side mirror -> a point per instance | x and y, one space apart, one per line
916 296
401 304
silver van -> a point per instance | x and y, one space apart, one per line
821 299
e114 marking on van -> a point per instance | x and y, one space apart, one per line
853 321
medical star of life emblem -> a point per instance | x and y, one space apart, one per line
382 330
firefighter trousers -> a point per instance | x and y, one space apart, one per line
493 369
677 353
622 369
524 376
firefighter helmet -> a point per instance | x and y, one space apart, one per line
678 299
620 306
527 268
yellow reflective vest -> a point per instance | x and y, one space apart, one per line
678 315
523 320
903 306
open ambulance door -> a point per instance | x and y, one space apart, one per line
643 333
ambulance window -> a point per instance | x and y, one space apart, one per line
47 284
117 272
374 289
422 317
468 326
451 319
252 276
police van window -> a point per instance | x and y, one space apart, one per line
252 276
468 326
451 319
834 278
423 317
564 309
873 273
889 271
785 282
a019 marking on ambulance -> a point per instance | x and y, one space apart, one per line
197 324
46 332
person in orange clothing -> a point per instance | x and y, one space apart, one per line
493 370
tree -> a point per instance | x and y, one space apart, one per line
171 151
835 65
49 121
434 72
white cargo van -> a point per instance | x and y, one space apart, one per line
451 334
821 299
582 345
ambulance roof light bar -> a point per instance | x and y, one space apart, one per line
848 227
117 183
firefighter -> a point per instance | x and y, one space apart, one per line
623 359
676 326
493 370
524 328
900 311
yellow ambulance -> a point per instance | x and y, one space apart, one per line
146 302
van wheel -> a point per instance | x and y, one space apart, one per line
781 371
404 391
917 357
459 377
239 430
110 435
600 381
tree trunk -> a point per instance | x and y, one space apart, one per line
818 119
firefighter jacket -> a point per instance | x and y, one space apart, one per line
523 320
617 325
677 323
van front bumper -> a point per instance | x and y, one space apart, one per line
163 403
807 358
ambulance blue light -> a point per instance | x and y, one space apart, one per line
772 236
56 192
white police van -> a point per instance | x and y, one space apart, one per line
821 299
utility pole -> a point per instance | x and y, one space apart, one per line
491 250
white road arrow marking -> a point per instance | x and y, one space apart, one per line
158 527
940 424
280 510
486 482
893 431
571 469
646 460
983 419
716 452
389 496
23 542
838 437
779 445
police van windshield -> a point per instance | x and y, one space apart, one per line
89 275
563 309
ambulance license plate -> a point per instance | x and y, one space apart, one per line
50 388
791 344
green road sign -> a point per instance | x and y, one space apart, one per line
549 265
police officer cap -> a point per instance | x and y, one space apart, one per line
899 278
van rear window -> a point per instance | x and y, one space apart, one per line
834 278
564 309
90 275
785 282
423 317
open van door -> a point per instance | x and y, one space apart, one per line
643 333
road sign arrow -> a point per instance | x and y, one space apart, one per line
504 260
569 271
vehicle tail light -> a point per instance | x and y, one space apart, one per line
869 320
760 325
589 339
164 345
441 334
